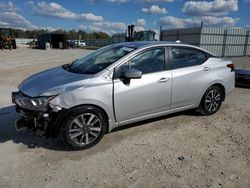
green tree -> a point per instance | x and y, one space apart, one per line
71 34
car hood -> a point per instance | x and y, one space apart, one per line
52 82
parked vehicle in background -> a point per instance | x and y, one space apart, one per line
80 43
71 44
121 84
32 44
242 77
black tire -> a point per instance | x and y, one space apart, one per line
211 101
78 117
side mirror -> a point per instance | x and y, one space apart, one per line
133 74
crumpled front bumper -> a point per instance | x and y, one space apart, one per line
37 119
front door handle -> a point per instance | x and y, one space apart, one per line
162 80
206 68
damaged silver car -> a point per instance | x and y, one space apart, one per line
118 85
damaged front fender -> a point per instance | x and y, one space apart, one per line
99 95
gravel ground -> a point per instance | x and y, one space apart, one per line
180 150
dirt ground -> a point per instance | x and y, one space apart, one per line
180 150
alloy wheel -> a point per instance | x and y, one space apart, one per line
212 100
85 129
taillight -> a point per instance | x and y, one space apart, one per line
231 66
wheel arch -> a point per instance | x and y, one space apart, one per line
201 108
222 88
104 113
60 117
218 84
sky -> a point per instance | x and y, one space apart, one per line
113 16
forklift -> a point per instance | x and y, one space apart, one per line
132 35
7 39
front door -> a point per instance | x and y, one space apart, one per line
145 96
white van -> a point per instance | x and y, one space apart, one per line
80 43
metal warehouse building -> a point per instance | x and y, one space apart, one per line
55 40
118 38
228 42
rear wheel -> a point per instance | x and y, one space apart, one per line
211 101
83 128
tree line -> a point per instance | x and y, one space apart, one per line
71 34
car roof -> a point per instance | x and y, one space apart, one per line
139 44
143 44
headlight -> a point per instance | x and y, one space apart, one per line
37 104
40 102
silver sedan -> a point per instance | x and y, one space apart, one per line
121 84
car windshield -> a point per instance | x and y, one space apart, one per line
99 60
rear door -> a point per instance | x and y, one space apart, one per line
145 96
190 75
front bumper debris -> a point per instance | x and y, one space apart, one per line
36 120
21 124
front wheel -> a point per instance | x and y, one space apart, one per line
211 101
83 128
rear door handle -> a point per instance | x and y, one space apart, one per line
206 68
162 80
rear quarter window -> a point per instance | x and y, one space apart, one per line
187 57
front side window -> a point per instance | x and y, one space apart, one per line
147 62
186 57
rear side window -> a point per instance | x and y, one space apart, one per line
187 57
201 57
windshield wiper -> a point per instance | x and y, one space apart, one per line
66 67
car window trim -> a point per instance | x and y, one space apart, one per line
171 61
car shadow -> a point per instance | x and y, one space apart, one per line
8 131
191 112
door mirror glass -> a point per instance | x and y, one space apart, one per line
132 74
